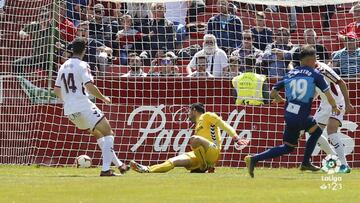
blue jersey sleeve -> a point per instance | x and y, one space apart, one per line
321 83
279 85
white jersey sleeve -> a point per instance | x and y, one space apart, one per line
86 74
329 73
333 79
58 80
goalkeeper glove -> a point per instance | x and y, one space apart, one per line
239 142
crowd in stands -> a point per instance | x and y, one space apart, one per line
138 35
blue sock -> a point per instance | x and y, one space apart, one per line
273 153
310 145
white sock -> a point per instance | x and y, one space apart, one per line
325 146
107 153
115 160
339 147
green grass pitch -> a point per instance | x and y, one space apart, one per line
66 185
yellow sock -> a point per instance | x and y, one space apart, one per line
161 168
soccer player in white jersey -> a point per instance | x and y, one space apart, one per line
325 118
73 82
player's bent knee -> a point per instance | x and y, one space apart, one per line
313 129
317 132
104 127
333 126
289 148
194 141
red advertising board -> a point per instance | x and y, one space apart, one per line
149 117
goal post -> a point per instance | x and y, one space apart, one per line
149 114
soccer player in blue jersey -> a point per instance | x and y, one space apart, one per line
299 84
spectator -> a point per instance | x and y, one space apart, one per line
166 66
140 12
100 28
97 54
246 49
217 59
135 65
201 66
232 9
66 27
176 12
2 12
353 29
348 58
75 8
196 7
162 33
321 52
2 6
277 55
252 88
41 32
233 69
262 36
226 27
130 40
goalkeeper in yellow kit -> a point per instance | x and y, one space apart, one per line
205 144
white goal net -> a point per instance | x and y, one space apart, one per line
147 56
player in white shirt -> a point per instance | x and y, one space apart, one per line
73 82
325 118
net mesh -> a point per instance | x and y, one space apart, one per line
149 113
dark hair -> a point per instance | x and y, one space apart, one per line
200 57
306 51
79 45
283 29
199 107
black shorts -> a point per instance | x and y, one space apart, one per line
293 128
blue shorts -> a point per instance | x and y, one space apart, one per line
293 128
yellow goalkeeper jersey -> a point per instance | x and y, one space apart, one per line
208 126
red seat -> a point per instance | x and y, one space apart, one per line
339 21
183 62
276 20
332 44
247 18
211 9
204 17
190 41
309 20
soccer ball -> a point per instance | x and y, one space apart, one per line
83 161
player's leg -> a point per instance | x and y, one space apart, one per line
322 116
183 160
291 136
206 151
100 140
315 132
335 139
102 128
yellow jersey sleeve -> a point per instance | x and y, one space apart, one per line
216 120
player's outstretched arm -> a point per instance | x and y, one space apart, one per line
332 102
230 131
348 106
92 89
57 92
276 97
